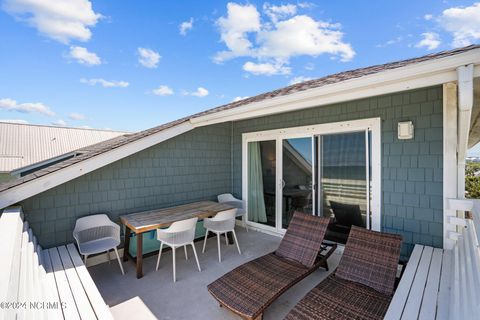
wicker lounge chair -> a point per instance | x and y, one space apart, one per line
362 286
250 288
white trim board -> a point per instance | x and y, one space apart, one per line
417 75
371 124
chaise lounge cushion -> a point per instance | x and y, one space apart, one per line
252 286
302 241
371 258
337 299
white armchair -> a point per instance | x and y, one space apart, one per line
229 199
96 234
179 234
222 222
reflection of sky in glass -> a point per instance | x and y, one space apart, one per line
339 150
344 149
303 146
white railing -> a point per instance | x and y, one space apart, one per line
11 230
465 284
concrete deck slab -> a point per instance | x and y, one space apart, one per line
156 296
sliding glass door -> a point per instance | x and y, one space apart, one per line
262 182
344 182
273 197
328 170
297 178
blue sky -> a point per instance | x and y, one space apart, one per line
130 65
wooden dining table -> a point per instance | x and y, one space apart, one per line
140 222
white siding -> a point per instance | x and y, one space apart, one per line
22 145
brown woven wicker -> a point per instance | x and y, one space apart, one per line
371 258
250 288
339 299
303 238
363 283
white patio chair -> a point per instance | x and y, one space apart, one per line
179 234
223 222
96 234
228 198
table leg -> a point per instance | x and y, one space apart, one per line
126 243
139 255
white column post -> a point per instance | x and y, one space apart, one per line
449 158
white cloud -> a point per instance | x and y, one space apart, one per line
60 20
239 98
28 107
309 66
279 12
431 41
234 28
390 42
59 123
105 83
76 116
428 17
299 79
83 56
201 92
266 68
463 23
186 26
302 35
148 58
275 42
163 91
306 5
17 121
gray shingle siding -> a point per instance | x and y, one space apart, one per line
192 166
206 161
411 169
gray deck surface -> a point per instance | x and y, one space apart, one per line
156 296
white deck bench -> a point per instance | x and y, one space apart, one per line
43 283
425 283
441 284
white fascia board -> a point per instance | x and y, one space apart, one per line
48 181
419 75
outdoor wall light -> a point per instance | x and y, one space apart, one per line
405 130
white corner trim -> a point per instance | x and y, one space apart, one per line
449 159
35 186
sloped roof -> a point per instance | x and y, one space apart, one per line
92 151
24 144
335 78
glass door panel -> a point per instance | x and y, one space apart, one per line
297 174
343 175
262 182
